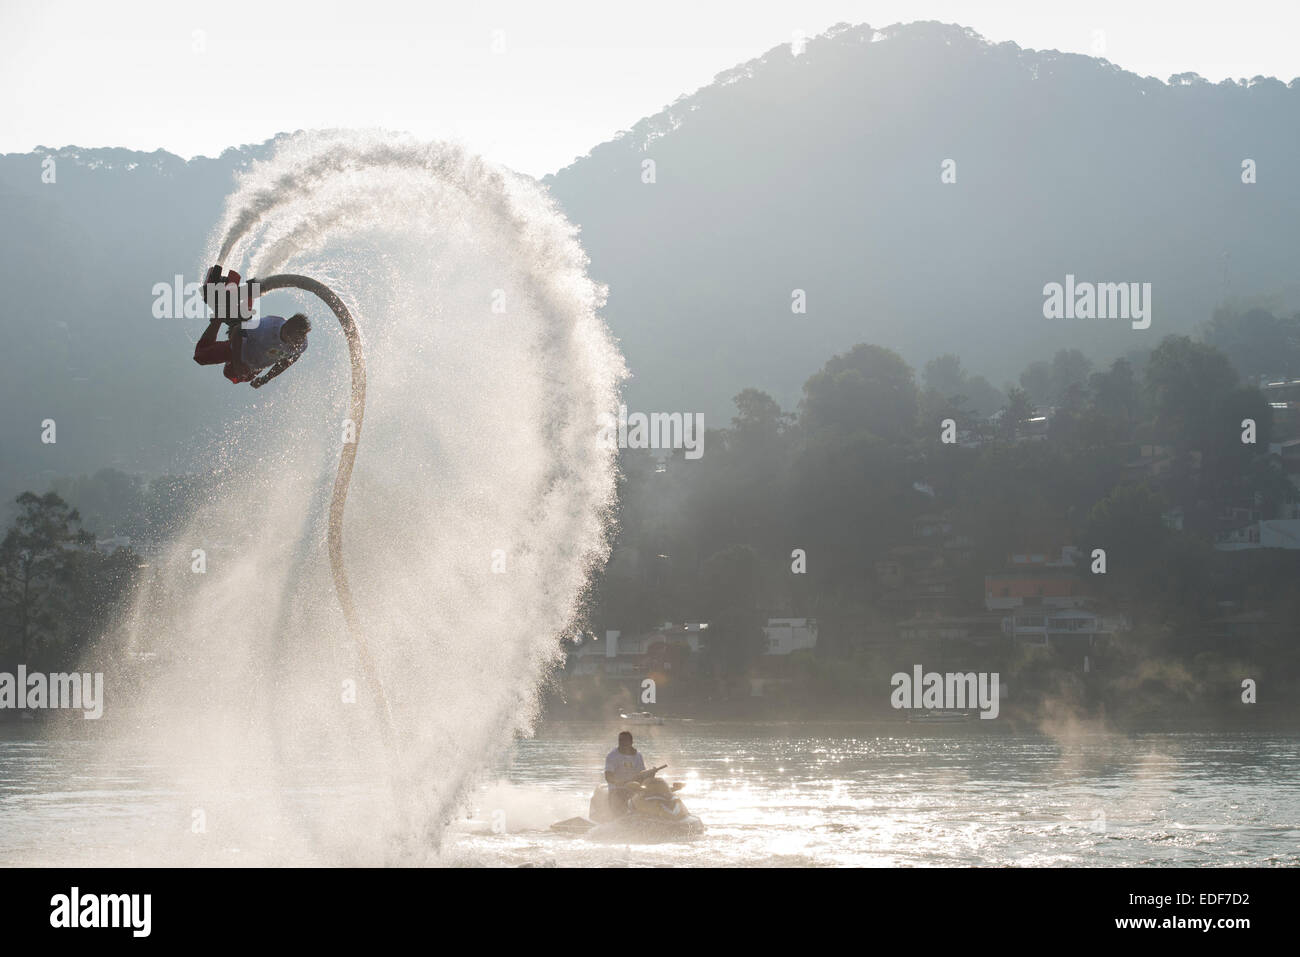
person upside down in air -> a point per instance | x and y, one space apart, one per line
255 354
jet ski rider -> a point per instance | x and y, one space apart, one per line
623 766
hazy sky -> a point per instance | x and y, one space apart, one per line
197 78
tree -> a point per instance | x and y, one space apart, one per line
1186 382
944 375
1070 368
1228 464
946 382
1017 409
1256 342
38 558
984 396
1129 525
729 598
740 486
1116 393
1036 381
758 418
868 389
101 585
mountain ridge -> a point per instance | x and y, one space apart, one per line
818 172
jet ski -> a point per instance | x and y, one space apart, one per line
653 814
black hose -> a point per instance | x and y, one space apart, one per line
344 477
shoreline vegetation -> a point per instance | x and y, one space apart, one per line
64 727
899 513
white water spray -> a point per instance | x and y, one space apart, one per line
478 507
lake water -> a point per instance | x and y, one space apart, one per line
770 795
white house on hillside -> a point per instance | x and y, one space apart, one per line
1275 533
785 635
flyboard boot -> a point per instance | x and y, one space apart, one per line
230 302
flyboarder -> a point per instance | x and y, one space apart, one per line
254 354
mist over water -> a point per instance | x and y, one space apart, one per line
480 437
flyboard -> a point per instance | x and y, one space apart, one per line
232 303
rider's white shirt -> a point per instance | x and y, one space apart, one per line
262 346
624 766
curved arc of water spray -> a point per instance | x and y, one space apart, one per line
343 477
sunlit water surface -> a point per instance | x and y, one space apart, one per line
770 795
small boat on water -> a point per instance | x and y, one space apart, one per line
640 717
